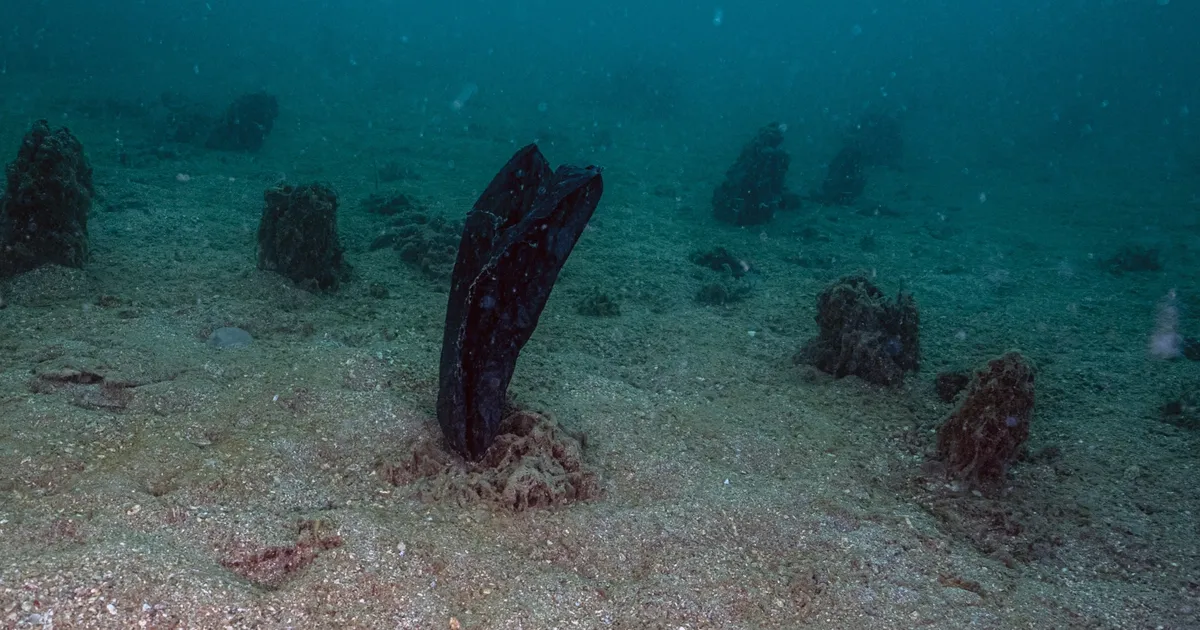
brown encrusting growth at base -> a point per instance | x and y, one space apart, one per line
270 567
532 464
984 435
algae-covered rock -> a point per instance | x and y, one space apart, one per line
753 189
298 236
44 211
864 334
983 436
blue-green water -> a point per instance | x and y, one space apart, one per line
1036 188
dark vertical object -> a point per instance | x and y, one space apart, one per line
879 139
754 186
246 124
516 239
298 237
983 437
44 211
846 179
863 334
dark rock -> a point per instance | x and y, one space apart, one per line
44 211
754 186
1134 259
1191 348
983 436
1184 411
949 384
298 236
516 238
863 334
429 245
846 178
721 259
246 124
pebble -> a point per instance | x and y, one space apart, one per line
229 337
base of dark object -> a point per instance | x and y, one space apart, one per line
298 237
514 242
753 189
863 334
1018 528
44 210
532 464
984 435
246 124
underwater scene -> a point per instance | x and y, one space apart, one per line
653 315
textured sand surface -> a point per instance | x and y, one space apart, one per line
142 469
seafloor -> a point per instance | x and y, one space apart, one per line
740 490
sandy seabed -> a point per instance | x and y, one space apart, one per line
148 479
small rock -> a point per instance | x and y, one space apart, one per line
229 337
1191 345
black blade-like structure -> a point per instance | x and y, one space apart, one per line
516 239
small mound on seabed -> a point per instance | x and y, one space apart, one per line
532 464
